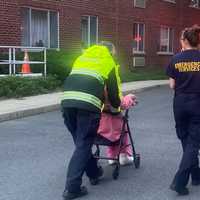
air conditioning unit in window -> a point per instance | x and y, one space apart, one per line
138 61
140 3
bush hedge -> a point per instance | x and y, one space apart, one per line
58 67
13 86
143 73
59 63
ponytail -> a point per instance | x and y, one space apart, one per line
192 34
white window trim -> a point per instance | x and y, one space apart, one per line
30 27
48 26
58 21
138 31
167 52
170 1
97 34
48 21
89 28
139 52
162 53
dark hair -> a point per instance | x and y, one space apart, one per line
192 34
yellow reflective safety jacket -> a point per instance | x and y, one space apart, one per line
84 87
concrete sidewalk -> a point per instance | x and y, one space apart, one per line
18 108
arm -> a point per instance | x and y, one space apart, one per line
172 74
112 89
172 83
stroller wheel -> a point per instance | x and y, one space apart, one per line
137 161
115 174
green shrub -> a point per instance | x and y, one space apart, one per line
26 86
59 63
58 67
143 73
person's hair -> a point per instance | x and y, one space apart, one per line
192 35
107 44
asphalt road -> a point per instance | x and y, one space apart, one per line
34 153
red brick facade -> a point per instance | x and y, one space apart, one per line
115 19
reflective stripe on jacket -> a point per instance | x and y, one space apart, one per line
88 77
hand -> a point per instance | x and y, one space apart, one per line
106 107
128 101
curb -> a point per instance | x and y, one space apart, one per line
28 112
54 107
143 89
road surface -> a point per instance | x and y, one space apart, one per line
35 151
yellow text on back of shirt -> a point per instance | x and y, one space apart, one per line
188 66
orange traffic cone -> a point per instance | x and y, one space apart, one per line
26 67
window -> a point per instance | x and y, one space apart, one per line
40 28
195 3
140 3
138 37
89 30
166 39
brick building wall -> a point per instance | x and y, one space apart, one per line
9 22
115 19
175 15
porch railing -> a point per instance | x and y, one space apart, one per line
12 62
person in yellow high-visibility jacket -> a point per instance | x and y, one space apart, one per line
82 104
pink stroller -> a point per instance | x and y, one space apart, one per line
120 144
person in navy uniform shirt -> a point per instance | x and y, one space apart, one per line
184 78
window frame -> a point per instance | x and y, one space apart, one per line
168 52
89 28
137 51
48 25
170 1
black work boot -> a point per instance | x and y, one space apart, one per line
181 191
74 195
95 181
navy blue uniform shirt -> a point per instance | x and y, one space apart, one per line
185 69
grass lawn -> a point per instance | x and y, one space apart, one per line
143 73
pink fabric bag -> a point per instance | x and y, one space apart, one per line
111 127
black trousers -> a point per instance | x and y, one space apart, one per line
83 126
187 118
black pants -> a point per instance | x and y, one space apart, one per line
83 126
187 118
